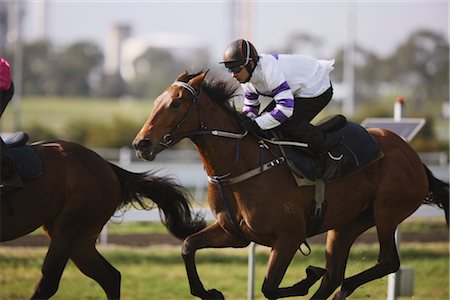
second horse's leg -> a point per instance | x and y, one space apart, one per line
94 265
54 263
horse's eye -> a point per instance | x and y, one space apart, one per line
175 105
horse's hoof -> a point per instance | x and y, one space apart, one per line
315 273
214 295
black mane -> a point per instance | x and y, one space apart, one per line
219 91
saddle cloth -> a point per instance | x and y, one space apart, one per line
355 149
28 161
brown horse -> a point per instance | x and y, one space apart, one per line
269 208
74 197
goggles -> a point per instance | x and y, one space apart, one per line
234 69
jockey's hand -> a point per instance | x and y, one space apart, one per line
5 75
251 126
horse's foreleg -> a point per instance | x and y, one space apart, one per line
339 242
211 237
281 255
54 263
94 265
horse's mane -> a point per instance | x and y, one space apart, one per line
219 91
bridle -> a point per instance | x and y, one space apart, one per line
169 137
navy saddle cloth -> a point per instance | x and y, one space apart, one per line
28 161
355 149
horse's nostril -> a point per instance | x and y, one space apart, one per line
142 144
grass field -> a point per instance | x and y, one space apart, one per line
55 113
158 272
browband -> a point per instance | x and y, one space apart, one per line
186 86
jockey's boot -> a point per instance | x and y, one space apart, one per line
317 140
9 173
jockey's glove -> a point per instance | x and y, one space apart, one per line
251 126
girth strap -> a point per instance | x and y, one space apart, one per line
247 175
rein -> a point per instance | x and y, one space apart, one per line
223 179
220 180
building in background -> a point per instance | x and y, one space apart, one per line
117 34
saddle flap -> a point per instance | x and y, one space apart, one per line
355 150
28 161
17 139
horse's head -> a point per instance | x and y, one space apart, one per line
172 116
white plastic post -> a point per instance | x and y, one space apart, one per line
251 271
125 156
398 109
394 277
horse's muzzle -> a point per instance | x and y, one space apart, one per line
144 148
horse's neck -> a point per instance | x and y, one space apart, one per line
218 153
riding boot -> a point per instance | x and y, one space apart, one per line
319 142
9 173
308 133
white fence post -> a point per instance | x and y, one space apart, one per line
251 271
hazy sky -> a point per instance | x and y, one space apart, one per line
380 25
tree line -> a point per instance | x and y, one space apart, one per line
418 69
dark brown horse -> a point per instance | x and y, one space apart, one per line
74 197
269 208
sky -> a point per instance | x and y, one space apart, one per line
380 26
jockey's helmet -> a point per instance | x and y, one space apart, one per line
238 54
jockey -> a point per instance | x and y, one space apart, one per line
10 178
299 85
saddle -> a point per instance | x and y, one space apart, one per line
354 148
28 161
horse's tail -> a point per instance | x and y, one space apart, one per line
171 198
437 193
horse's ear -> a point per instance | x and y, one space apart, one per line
182 75
197 81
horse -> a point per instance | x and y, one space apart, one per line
74 196
268 207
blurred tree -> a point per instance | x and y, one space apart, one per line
37 67
71 71
111 86
74 70
418 70
422 63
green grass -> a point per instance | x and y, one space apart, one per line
55 113
158 272
416 225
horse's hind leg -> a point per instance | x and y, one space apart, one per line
388 261
339 242
54 263
94 265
